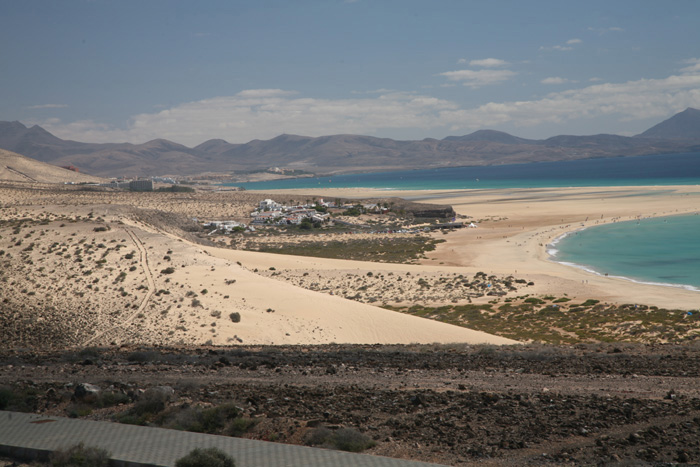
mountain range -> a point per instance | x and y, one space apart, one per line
342 153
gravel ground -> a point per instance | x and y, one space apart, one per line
457 405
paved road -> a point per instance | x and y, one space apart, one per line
136 446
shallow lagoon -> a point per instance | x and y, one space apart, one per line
662 250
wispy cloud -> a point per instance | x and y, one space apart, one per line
261 114
632 100
693 65
375 91
478 78
489 63
602 31
562 47
554 80
265 113
484 63
47 106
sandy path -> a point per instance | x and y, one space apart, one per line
143 261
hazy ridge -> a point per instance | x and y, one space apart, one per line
342 153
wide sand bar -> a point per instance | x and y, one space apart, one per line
515 226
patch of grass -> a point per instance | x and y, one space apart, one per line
343 439
80 456
18 400
563 324
151 403
209 457
382 250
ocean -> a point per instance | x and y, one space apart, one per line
664 169
662 250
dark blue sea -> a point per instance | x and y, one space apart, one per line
664 169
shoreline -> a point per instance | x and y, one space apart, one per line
551 247
517 224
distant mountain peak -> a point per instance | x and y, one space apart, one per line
492 136
683 125
343 152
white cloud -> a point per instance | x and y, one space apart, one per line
259 114
633 100
264 114
477 78
47 106
554 80
261 93
563 47
375 91
693 65
489 63
602 31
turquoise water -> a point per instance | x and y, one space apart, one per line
663 169
659 250
655 250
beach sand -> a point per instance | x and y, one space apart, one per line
515 226
132 300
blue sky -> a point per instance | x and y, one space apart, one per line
112 71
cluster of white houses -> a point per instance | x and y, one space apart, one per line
272 212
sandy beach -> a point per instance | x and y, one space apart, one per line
117 270
515 226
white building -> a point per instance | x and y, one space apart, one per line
269 205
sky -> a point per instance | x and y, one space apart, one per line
133 71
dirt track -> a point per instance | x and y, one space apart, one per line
455 405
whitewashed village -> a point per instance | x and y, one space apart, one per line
270 212
315 214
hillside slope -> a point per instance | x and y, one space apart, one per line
18 168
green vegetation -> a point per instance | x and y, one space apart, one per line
383 250
152 409
354 211
343 439
18 400
176 189
80 456
590 321
210 457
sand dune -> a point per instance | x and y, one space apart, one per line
95 269
101 280
17 168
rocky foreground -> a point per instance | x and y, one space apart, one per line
455 405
